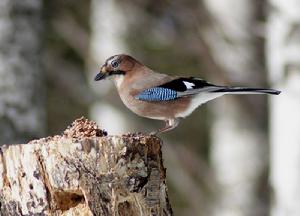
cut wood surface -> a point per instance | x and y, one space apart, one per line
84 172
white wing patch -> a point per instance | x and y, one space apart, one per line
188 85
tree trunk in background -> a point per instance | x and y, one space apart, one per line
84 172
283 53
239 147
108 26
21 79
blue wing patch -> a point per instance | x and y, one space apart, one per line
157 94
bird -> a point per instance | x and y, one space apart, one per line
160 96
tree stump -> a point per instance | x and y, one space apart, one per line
84 172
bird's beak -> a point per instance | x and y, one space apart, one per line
102 74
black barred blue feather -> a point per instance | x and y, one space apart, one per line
157 94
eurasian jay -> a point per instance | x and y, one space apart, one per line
160 96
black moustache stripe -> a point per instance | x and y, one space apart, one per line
118 72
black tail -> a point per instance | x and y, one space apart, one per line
247 90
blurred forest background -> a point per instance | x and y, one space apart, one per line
237 155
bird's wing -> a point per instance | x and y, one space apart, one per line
179 87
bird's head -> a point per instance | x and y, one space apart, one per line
116 65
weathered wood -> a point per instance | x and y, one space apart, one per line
84 172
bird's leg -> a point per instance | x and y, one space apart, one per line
170 125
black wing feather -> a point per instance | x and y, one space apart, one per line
179 86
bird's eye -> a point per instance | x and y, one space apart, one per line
114 64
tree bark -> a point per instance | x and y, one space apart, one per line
21 78
283 54
84 172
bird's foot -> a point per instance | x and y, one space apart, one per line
170 125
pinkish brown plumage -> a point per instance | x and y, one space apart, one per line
160 96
